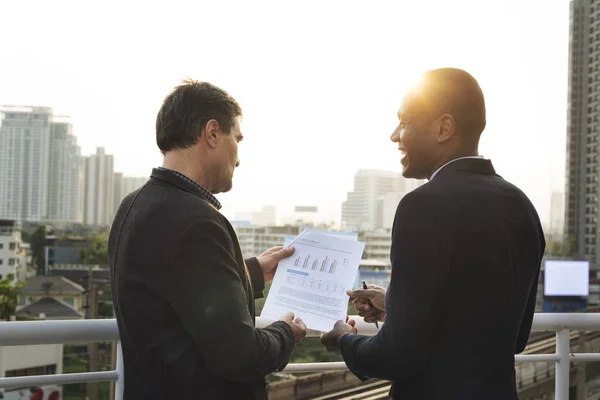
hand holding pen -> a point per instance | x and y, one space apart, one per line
369 302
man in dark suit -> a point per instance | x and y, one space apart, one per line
183 294
466 254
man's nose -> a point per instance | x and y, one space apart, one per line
395 137
237 164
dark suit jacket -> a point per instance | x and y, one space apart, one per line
466 254
183 300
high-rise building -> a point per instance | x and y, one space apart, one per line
557 214
255 239
378 245
65 174
367 206
13 264
99 189
24 151
125 185
583 132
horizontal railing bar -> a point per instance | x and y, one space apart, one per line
291 368
363 327
529 358
585 357
59 379
554 322
17 333
316 367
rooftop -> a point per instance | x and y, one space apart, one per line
50 308
51 285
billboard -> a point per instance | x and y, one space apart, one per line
566 278
50 392
311 209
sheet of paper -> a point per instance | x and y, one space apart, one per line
313 281
291 239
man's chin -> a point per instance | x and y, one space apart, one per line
227 187
408 173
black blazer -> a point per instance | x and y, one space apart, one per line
183 300
466 255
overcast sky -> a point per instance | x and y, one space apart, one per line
319 82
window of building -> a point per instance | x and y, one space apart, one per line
12 246
10 277
41 370
11 261
69 300
1 246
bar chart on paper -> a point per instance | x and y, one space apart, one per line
313 263
312 282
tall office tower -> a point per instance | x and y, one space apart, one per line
99 189
24 150
583 131
366 206
125 185
65 174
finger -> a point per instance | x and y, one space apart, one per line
371 319
300 323
338 324
362 307
288 317
351 322
364 293
367 314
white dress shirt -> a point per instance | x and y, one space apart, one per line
451 161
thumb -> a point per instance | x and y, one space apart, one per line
284 253
288 317
301 323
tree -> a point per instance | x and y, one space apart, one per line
38 244
25 236
9 298
97 251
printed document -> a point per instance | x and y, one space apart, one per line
313 281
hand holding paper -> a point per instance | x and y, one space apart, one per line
313 282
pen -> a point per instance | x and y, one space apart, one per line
369 302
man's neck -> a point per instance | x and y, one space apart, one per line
181 162
453 156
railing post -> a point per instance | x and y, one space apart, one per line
120 384
563 346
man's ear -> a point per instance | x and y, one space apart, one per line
211 133
447 128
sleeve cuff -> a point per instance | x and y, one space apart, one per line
256 275
347 347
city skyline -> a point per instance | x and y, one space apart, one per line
331 96
44 178
117 185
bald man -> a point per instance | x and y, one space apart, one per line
466 255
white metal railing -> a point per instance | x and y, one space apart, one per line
105 330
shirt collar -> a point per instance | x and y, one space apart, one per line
206 195
451 161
